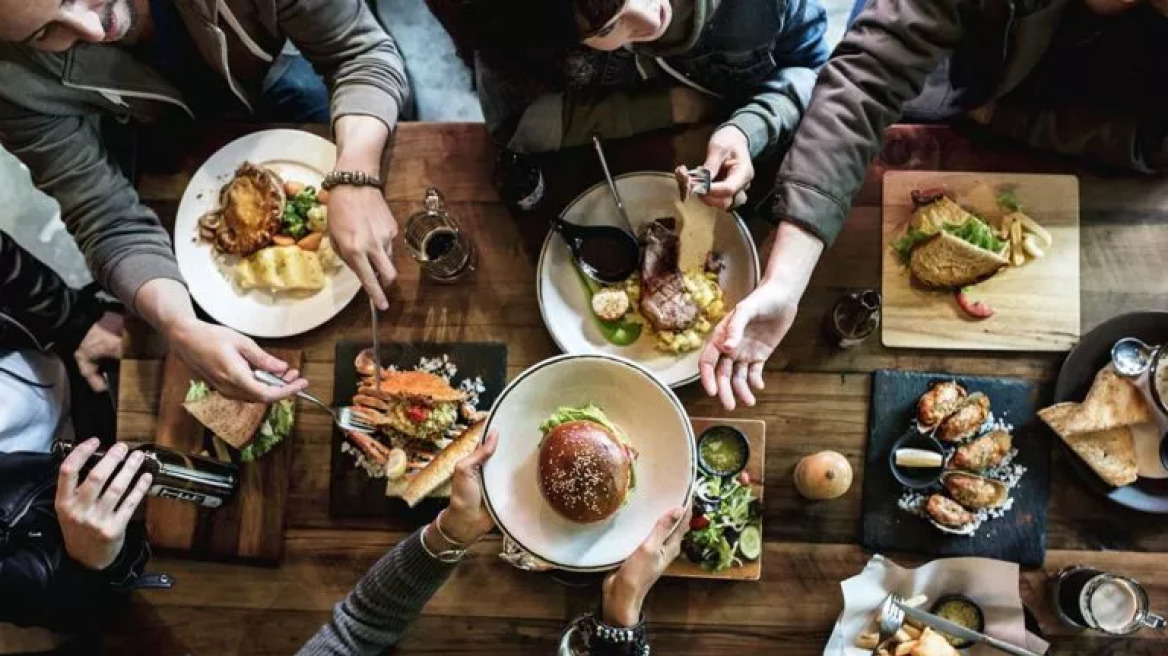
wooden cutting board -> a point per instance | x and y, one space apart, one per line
1037 305
250 526
755 431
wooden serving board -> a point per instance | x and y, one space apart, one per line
1018 536
1037 304
755 432
250 526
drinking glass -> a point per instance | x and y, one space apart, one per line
435 240
1111 604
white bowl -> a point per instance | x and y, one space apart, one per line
634 399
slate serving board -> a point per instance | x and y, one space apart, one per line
1019 536
351 492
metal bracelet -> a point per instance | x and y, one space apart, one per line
438 527
350 178
448 556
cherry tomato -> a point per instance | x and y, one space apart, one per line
698 523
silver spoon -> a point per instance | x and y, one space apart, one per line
1131 357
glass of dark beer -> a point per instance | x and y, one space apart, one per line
1111 604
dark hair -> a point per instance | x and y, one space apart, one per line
525 42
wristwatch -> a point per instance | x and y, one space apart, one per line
350 178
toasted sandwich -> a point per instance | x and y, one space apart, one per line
251 428
947 246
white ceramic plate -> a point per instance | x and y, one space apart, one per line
647 196
634 399
295 155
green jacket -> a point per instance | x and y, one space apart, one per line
52 105
757 58
883 62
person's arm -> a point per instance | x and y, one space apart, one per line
769 117
367 78
122 240
372 617
34 298
1117 139
880 65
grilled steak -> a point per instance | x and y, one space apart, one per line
663 299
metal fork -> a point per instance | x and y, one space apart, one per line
891 617
345 417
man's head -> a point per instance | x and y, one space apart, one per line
57 25
1111 7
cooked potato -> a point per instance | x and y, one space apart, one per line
868 640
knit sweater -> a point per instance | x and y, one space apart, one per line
374 615
372 618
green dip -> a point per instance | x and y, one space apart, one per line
723 451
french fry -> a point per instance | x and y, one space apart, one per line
868 640
1030 225
1017 256
905 648
883 652
902 635
913 632
1031 247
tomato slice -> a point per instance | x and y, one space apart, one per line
417 414
698 522
975 309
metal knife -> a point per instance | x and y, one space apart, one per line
376 345
954 629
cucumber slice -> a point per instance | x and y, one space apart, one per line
750 542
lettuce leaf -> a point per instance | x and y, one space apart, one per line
974 231
277 426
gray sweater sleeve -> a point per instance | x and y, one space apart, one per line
390 595
124 244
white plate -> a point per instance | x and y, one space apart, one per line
657 426
563 301
295 155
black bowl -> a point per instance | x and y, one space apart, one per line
916 478
980 624
732 433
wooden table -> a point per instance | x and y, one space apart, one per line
814 399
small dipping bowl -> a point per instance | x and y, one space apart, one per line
723 451
962 610
1158 378
916 478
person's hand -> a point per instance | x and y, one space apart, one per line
102 342
466 519
728 159
362 230
732 361
225 360
93 515
624 590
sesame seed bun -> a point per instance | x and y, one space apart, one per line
584 471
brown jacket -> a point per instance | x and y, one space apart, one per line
883 63
51 106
